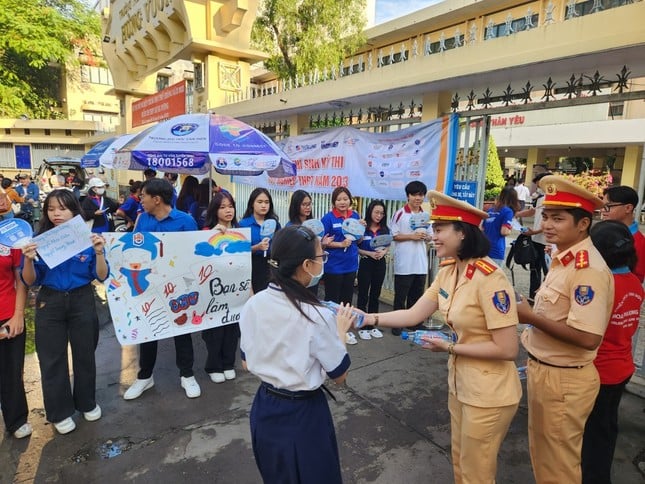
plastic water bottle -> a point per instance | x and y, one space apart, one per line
415 336
335 307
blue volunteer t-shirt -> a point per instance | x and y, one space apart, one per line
340 261
256 238
176 221
131 207
76 272
492 228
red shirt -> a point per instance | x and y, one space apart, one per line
639 245
614 360
9 261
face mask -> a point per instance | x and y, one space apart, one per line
99 191
316 279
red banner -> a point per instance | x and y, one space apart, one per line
165 104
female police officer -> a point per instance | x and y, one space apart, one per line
477 302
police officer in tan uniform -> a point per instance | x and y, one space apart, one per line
571 312
478 303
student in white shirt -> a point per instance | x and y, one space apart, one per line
293 343
410 251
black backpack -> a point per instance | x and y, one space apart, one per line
522 252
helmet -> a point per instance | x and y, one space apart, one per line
96 183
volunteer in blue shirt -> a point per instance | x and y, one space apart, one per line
259 209
340 269
498 224
130 209
159 216
66 314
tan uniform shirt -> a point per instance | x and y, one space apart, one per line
578 291
480 301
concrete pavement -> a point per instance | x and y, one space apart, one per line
391 418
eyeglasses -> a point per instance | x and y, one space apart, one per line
609 206
306 204
324 256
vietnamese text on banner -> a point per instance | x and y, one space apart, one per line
375 165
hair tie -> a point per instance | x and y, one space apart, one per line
273 263
619 243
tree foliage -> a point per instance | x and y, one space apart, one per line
301 35
37 39
494 173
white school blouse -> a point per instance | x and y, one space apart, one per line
283 348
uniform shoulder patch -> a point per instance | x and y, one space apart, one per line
583 295
486 267
582 259
501 301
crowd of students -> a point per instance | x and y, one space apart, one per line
589 292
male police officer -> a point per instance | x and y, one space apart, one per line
571 312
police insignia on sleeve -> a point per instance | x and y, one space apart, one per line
502 302
583 295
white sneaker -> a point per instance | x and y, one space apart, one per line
350 339
65 426
24 431
138 387
229 374
375 333
364 334
93 415
190 385
217 377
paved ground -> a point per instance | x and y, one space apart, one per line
391 419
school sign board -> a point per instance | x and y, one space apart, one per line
166 284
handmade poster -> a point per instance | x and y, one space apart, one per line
64 241
166 284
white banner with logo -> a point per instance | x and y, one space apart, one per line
166 284
375 165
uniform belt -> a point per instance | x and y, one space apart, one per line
289 395
552 365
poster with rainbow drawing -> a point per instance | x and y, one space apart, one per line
166 284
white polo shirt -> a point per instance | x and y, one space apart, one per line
283 348
410 256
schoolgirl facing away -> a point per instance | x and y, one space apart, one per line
66 313
292 343
221 342
259 209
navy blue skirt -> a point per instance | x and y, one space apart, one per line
294 441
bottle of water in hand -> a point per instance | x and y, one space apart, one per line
335 307
415 336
